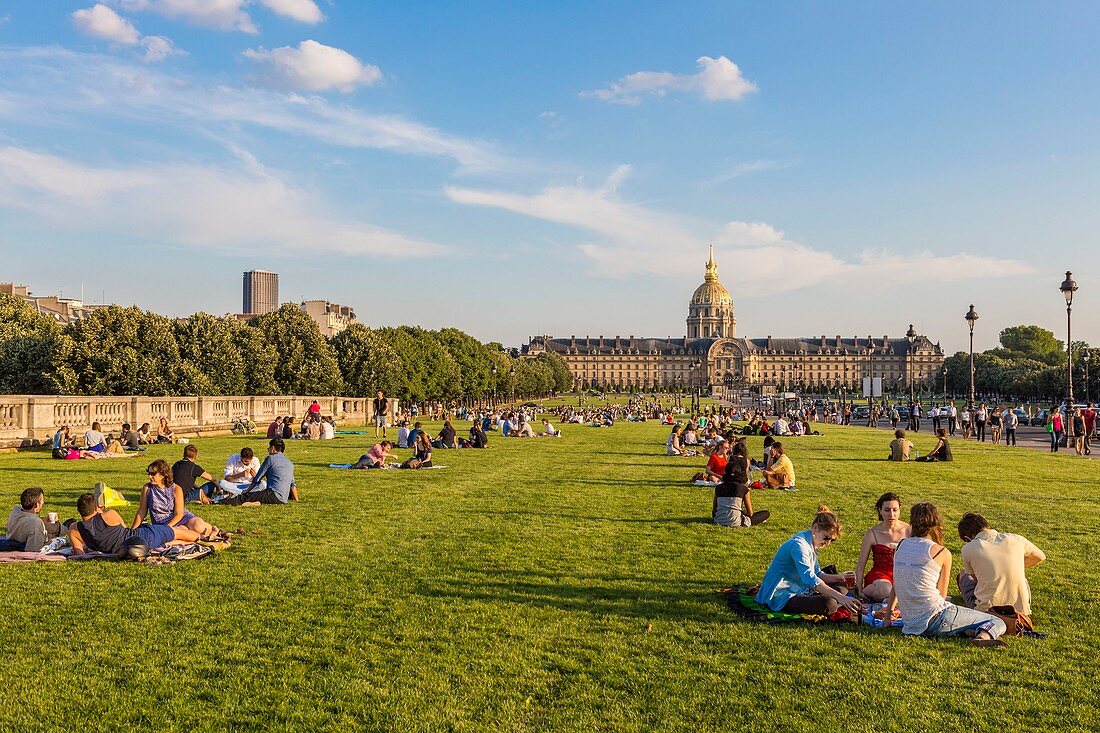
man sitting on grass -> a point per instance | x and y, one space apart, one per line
993 566
240 468
197 484
900 447
548 430
780 475
104 530
278 471
26 530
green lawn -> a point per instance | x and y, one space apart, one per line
538 585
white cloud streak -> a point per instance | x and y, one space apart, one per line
81 84
718 79
223 15
248 208
760 258
311 67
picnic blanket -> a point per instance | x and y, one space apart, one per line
741 600
344 466
351 432
19 556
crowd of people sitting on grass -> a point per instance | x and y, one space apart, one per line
901 449
162 517
909 575
96 444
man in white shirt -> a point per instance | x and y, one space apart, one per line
240 469
25 530
781 427
952 418
993 566
328 430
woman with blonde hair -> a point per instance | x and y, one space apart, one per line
922 571
794 582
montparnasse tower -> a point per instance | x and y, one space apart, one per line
710 313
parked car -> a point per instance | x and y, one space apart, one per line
1021 415
1040 418
862 412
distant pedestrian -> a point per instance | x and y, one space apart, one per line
381 407
1011 420
952 418
1089 416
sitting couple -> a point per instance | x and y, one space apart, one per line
901 448
376 457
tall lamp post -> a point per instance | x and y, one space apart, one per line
493 369
1068 288
945 385
512 381
971 318
1086 358
696 366
910 336
871 373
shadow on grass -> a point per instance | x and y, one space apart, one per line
695 601
583 517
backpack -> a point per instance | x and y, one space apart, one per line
61 453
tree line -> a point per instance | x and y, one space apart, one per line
130 351
1030 363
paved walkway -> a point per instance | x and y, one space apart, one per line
1033 438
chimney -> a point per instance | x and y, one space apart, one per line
839 343
618 343
573 341
823 341
770 343
601 340
885 341
632 341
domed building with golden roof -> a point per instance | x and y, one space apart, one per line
712 358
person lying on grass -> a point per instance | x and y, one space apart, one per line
922 571
162 501
732 505
780 475
375 457
900 447
794 582
278 472
879 544
104 530
942 451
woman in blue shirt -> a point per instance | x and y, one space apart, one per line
794 582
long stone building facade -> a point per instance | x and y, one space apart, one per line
712 358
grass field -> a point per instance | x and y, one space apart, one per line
538 585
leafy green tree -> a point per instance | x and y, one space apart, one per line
534 378
367 363
211 358
34 353
125 351
428 371
259 359
474 362
1032 342
560 375
306 363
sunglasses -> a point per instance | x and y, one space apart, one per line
829 540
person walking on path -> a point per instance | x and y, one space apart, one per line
1011 420
381 407
1089 416
914 417
980 417
952 419
1055 427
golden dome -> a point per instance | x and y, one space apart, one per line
711 292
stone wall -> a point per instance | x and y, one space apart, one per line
33 419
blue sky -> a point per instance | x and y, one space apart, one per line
520 168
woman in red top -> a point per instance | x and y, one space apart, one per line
879 544
716 465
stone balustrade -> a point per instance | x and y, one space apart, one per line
33 419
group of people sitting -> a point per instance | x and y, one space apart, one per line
910 572
313 426
795 423
98 445
901 449
162 516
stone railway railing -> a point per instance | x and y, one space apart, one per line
33 419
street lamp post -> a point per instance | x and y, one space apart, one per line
512 381
971 318
945 385
493 369
910 336
871 373
1068 288
696 366
1086 358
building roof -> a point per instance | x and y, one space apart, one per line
620 345
898 346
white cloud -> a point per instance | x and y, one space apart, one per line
305 11
312 67
759 258
246 208
224 15
718 79
158 48
82 84
101 22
